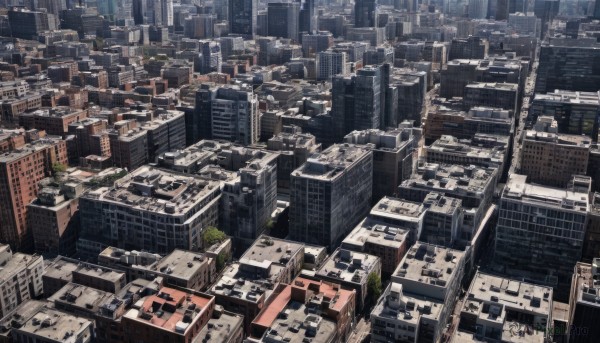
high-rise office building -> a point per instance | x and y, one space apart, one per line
583 302
308 19
540 231
331 63
365 13
330 194
316 42
568 64
468 48
211 59
243 17
283 20
27 24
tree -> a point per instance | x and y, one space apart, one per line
374 287
212 236
58 168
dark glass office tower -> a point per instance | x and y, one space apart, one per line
242 17
364 13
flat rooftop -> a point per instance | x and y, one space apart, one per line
453 146
56 326
391 140
583 142
28 149
181 264
219 330
429 264
267 250
348 266
158 191
236 283
587 280
569 97
17 263
562 198
494 85
54 112
406 308
331 162
170 309
372 231
87 299
398 209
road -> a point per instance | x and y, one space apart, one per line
362 329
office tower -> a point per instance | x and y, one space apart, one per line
199 26
521 311
330 194
331 63
540 231
54 7
478 9
411 90
108 9
317 42
139 9
500 95
128 144
234 115
468 48
243 17
379 55
365 13
283 20
231 46
393 157
20 172
424 288
546 10
20 280
308 19
591 243
358 101
211 59
442 221
525 24
568 64
596 11
583 306
27 24
162 224
550 158
575 111
166 12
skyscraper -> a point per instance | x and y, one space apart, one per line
242 17
283 20
364 13
308 20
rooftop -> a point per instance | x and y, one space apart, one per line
571 97
159 191
349 266
181 264
86 299
266 250
429 264
587 283
392 140
398 208
28 149
517 188
494 85
466 148
220 327
331 162
54 112
56 326
170 309
238 283
406 308
375 232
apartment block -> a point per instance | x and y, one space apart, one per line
330 194
402 214
393 152
171 315
351 270
20 172
464 125
183 269
55 120
501 309
53 326
20 278
388 242
583 303
294 148
474 186
550 158
425 285
18 318
132 263
540 231
443 220
320 310
169 211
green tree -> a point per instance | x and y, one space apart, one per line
212 235
58 168
374 287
